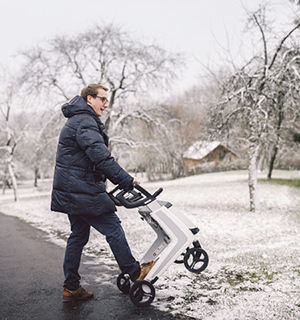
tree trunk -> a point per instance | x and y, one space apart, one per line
278 134
111 104
4 182
253 155
36 176
273 158
253 151
14 180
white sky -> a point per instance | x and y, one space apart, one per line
190 26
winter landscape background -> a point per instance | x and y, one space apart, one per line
245 92
254 265
178 74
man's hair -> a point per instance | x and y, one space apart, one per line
91 90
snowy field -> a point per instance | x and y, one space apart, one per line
254 268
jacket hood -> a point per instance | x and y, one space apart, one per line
77 106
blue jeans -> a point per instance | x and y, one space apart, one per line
110 226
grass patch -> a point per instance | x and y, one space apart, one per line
287 182
236 278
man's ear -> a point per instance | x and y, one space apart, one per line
88 99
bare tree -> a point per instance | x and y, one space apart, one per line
175 125
284 104
106 55
9 135
39 143
186 121
248 95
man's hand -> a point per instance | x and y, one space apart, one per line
135 180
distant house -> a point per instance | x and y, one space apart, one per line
201 152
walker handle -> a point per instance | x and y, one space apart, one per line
113 198
133 199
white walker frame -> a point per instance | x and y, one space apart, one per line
173 236
175 233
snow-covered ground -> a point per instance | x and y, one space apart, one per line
254 268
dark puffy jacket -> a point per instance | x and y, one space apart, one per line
83 162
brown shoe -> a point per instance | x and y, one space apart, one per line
145 269
79 294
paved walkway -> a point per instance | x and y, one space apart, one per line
31 282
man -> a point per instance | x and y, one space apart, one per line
83 163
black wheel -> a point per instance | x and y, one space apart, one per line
142 293
180 259
196 260
123 283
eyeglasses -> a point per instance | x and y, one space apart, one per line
103 99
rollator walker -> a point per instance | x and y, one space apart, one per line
175 242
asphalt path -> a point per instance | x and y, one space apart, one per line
31 281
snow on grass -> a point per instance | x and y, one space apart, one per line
254 264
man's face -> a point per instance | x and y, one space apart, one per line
99 103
